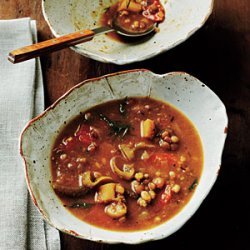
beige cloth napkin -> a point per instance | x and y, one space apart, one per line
21 98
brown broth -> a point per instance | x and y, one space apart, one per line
187 174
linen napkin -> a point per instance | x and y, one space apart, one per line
21 98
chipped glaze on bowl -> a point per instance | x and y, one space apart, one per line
183 18
181 90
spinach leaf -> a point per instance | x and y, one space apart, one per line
84 205
117 128
106 9
128 3
193 185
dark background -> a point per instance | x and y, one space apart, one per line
219 55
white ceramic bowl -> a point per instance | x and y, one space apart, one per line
183 18
183 91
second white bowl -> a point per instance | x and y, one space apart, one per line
183 18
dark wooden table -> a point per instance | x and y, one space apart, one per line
219 55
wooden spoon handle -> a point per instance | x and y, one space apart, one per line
38 49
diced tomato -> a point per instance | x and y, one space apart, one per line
161 158
85 139
154 11
84 128
166 195
83 134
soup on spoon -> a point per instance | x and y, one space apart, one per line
133 17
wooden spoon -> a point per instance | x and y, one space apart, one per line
45 47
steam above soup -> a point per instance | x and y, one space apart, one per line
127 164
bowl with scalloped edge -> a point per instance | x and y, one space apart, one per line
179 89
183 18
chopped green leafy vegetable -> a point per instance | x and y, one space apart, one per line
118 128
193 185
84 205
128 3
106 9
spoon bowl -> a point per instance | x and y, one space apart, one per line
121 31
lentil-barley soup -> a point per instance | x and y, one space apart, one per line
127 165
